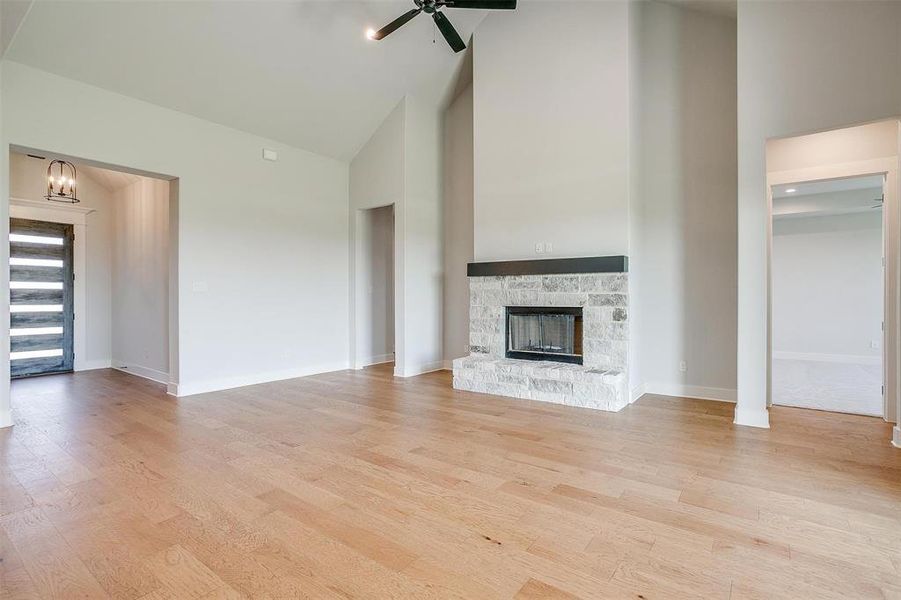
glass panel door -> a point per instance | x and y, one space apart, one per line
40 297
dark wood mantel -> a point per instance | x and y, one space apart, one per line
550 266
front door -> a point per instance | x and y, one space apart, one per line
41 308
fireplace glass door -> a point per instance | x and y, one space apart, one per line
553 333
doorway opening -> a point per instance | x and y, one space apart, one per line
828 295
374 287
833 269
108 300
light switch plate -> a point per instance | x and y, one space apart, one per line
269 154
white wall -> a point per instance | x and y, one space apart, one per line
802 66
401 163
377 179
375 305
636 259
5 410
458 224
140 279
827 286
28 182
551 130
684 212
377 171
423 238
262 246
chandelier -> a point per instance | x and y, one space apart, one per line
61 182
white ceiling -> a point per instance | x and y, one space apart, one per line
109 180
301 72
724 8
12 13
106 178
828 198
872 182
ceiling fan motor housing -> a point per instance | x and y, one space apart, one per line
427 6
431 7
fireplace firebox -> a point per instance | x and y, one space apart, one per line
551 333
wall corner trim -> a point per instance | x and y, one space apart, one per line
681 390
141 371
637 392
91 365
181 390
752 418
369 361
413 371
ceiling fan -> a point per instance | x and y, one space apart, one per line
433 7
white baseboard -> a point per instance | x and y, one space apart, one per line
850 359
413 371
448 365
686 391
379 359
637 392
896 436
91 365
758 417
226 383
145 372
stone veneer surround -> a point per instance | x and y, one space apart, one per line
601 382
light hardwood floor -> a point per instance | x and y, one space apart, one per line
359 485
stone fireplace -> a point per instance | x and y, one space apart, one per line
551 330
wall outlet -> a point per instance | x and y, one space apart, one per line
200 286
548 247
874 345
683 366
539 248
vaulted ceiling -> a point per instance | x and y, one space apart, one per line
301 72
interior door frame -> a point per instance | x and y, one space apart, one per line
358 294
887 167
76 216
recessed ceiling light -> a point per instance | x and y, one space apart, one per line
790 190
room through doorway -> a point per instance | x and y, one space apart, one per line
828 295
374 285
833 269
90 281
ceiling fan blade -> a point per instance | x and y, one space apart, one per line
395 24
447 30
489 4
